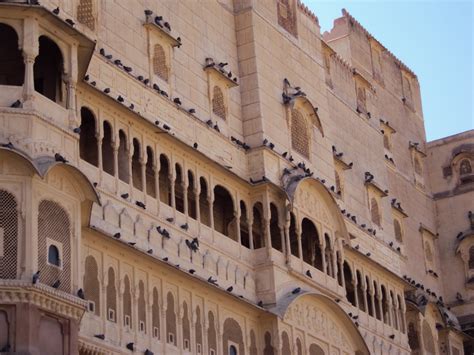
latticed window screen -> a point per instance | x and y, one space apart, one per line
155 314
286 16
111 296
428 252
471 258
9 232
299 133
127 302
160 67
141 305
398 230
53 223
218 104
91 283
374 211
85 13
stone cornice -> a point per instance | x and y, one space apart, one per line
45 297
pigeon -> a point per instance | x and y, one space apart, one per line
166 127
177 101
368 254
209 122
146 81
140 77
167 26
170 219
117 235
131 346
93 83
120 98
260 303
192 110
125 195
222 65
102 51
156 87
36 277
127 69
8 145
230 289
148 352
106 90
59 158
392 336
132 244
56 11
196 241
150 251
118 62
157 123
56 284
296 290
164 93
356 247
185 226
211 280
308 273
70 22
140 204
195 145
16 104
337 300
100 336
77 130
192 271
80 294
165 258
131 107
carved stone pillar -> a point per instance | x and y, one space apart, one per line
356 296
237 225
30 51
184 187
210 202
250 228
197 193
286 233
298 237
143 169
172 179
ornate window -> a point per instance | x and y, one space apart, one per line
127 303
361 99
218 102
397 229
85 13
155 315
87 138
465 167
53 255
471 258
9 230
54 228
287 16
170 319
300 137
160 66
111 294
374 211
141 307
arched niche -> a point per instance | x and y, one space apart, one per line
311 198
323 319
309 111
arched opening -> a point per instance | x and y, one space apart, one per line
244 226
385 314
328 255
338 269
53 256
123 156
150 177
253 343
378 313
257 226
186 328
111 296
315 350
155 315
223 211
368 296
92 285
198 330
397 229
360 291
275 232
88 138
179 189
232 333
164 178
465 167
211 334
9 237
293 236
299 347
54 225
12 68
204 208
349 282
141 307
310 244
285 346
127 303
191 195
108 150
48 71
268 348
170 320
136 165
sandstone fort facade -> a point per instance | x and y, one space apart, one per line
220 177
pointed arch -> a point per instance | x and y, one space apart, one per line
127 303
164 180
170 320
108 161
48 71
12 68
257 226
141 303
275 231
91 284
155 314
123 158
150 174
88 148
137 175
211 333
111 296
179 188
186 328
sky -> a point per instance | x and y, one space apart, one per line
434 39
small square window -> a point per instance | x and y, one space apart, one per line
171 338
91 306
198 348
142 326
186 344
111 315
127 321
156 332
